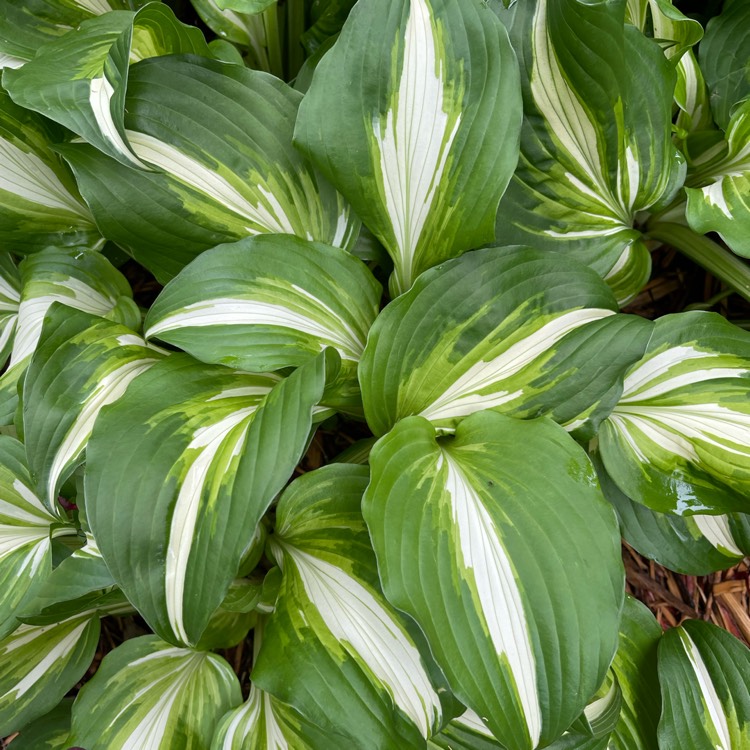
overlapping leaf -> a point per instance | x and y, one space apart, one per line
703 672
50 732
39 201
150 695
492 580
201 452
510 329
219 139
39 664
10 298
595 145
678 439
80 80
414 116
333 639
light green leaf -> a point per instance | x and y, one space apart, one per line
39 664
466 732
634 666
39 201
245 6
81 364
414 116
724 59
672 29
678 439
491 581
222 170
10 298
267 302
80 80
514 330
26 529
595 145
150 695
50 732
705 686
179 472
78 278
333 639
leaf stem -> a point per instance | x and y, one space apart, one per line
717 260
295 26
273 40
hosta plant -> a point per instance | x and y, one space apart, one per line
397 235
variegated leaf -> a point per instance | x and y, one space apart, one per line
39 201
704 674
678 439
265 723
673 30
595 145
201 453
333 639
268 302
149 695
222 170
39 664
490 578
10 298
49 732
80 80
514 330
26 531
81 364
414 116
78 278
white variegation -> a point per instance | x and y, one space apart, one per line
371 634
100 101
464 396
498 597
267 215
716 715
472 721
8 61
24 175
203 448
716 529
420 127
254 718
232 311
98 7
597 708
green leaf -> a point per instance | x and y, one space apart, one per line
39 201
245 6
333 639
50 732
678 439
10 298
674 31
78 278
248 31
724 59
25 534
491 580
267 302
179 472
414 116
514 330
80 80
265 723
39 664
595 145
703 671
150 695
219 139
81 364
634 666
466 732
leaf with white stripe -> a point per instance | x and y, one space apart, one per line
81 364
414 116
26 528
595 144
10 299
80 80
268 302
515 330
223 169
492 581
333 639
149 695
39 202
180 471
39 664
705 684
678 439
81 279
